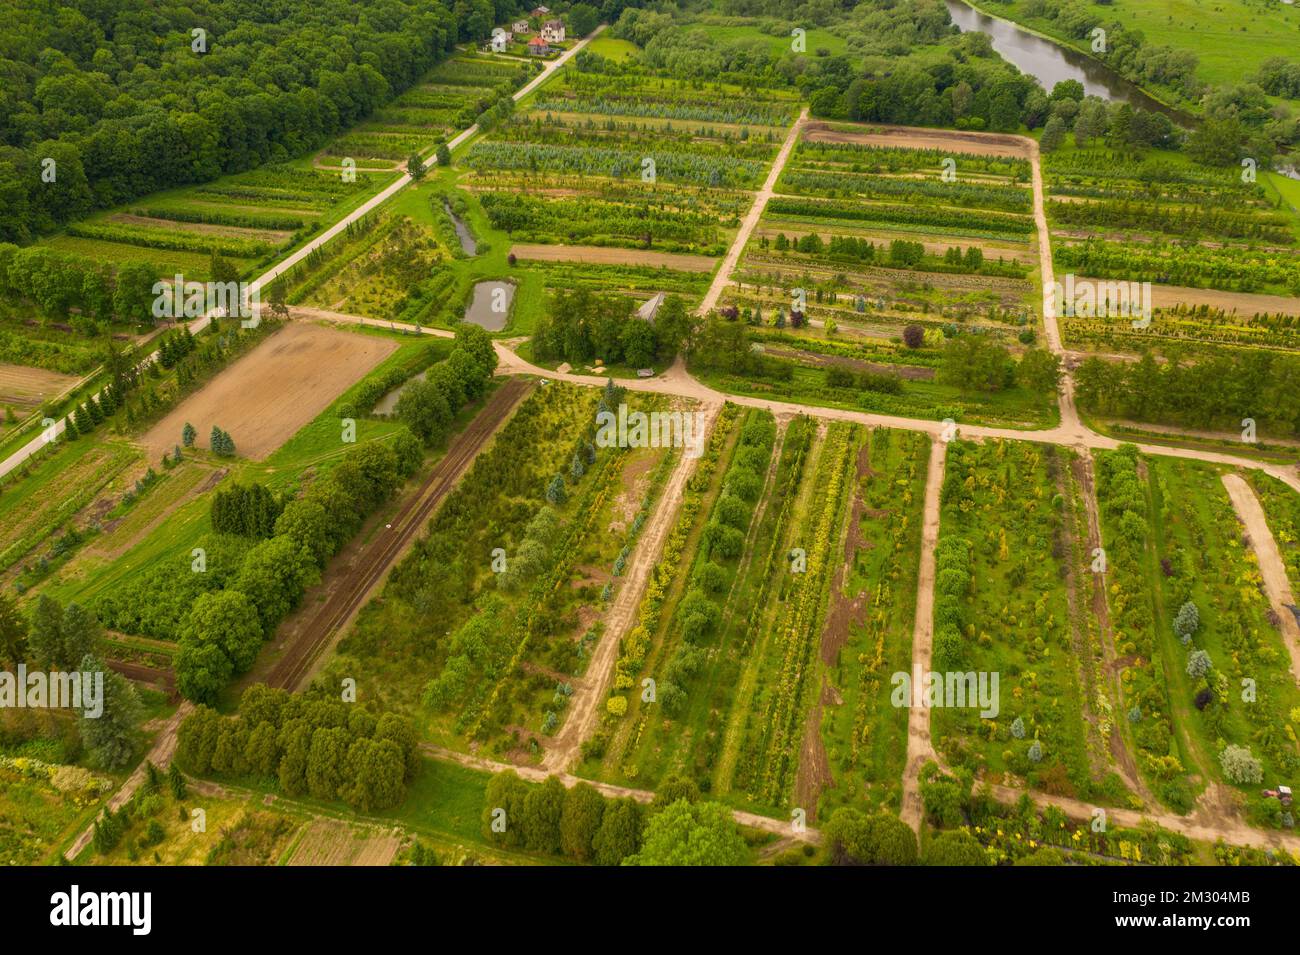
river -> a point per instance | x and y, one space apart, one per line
1051 62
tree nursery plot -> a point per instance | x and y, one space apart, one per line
675 434
868 634
1001 608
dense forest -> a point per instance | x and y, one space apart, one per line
131 96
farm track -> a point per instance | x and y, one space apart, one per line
919 748
585 708
315 628
160 754
1272 570
723 276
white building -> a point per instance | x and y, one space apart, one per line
553 31
520 28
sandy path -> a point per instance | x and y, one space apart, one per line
588 697
537 774
723 275
160 755
919 748
1271 568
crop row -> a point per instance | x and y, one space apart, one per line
1235 269
954 220
868 186
718 170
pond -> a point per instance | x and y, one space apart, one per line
490 306
467 243
1051 63
387 405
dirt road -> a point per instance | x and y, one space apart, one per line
723 276
1271 568
538 774
160 755
919 748
362 568
589 695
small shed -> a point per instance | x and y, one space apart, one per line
650 307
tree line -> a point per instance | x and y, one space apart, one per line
310 744
1212 391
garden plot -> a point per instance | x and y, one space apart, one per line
332 842
268 395
1229 671
23 388
1001 609
860 735
908 137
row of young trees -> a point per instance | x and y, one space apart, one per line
223 631
581 824
59 284
310 744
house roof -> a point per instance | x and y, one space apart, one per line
554 24
537 41
650 306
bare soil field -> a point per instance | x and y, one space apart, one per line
598 255
25 387
327 842
1243 303
907 137
266 396
204 228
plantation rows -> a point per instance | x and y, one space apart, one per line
694 168
597 222
803 181
1189 323
866 737
939 219
1181 220
669 107
771 749
860 158
1000 607
170 239
1232 269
